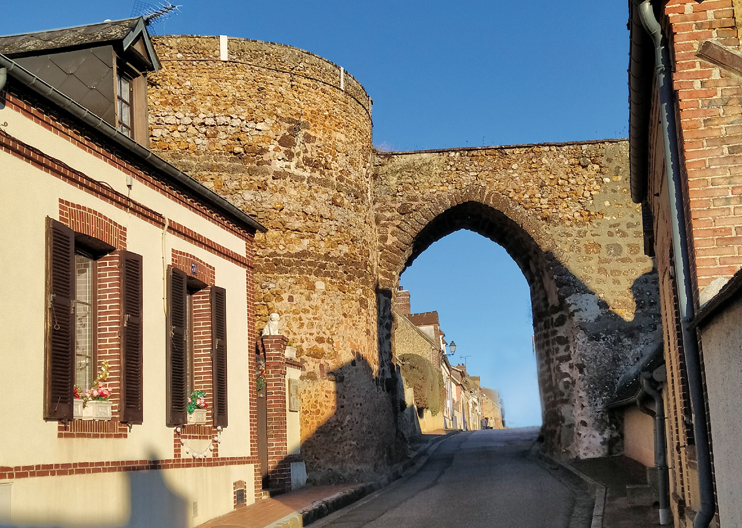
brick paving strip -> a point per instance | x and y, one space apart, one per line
307 505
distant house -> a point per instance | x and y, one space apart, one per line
492 409
127 301
411 340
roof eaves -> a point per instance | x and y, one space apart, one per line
141 29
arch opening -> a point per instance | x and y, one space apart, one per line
580 343
550 319
483 303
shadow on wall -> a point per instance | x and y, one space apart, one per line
327 453
152 504
349 413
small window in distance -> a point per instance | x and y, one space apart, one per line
124 104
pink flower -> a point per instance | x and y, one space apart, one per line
189 400
95 393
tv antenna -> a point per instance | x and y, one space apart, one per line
464 358
154 14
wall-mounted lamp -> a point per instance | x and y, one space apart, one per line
452 348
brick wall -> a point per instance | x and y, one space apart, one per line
402 301
279 468
708 98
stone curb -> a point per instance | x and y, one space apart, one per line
338 501
595 487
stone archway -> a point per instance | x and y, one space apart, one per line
564 215
287 136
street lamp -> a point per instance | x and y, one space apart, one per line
452 348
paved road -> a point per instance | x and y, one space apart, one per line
480 478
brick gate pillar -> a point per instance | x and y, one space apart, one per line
279 467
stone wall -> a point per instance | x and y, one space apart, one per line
286 136
564 214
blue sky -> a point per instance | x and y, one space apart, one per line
441 75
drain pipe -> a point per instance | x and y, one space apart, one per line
660 449
3 77
682 263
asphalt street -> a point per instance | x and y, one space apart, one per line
479 478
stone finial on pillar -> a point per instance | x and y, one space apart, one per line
273 328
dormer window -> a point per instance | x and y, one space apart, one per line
103 67
124 97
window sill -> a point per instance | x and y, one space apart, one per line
93 410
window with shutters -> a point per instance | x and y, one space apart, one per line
74 264
196 356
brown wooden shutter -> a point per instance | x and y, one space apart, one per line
177 297
60 349
219 354
131 338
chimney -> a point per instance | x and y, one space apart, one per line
402 301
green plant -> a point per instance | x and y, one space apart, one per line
197 400
425 380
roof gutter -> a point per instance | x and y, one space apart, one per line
682 261
641 62
194 188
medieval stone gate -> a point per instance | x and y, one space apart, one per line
286 135
563 214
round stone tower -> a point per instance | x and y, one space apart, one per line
286 136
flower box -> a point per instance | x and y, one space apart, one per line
93 410
198 416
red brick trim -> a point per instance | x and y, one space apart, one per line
194 432
76 178
24 106
117 466
184 262
252 400
90 222
92 429
279 469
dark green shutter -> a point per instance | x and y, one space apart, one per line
60 350
177 297
131 338
219 354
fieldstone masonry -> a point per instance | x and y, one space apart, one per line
564 214
286 136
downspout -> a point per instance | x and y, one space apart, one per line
3 77
682 263
660 450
